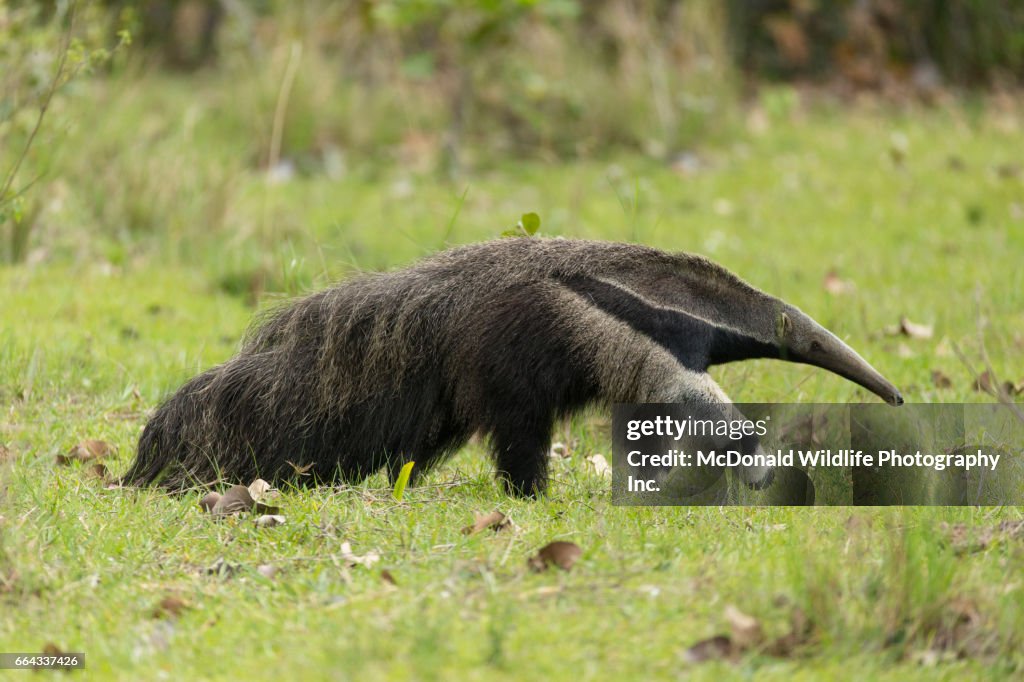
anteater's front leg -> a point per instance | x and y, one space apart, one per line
521 453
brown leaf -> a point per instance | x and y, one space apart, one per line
270 520
5 453
746 630
915 330
261 491
985 382
836 285
86 451
209 501
351 559
712 649
601 466
386 576
170 607
495 521
258 488
558 553
51 649
940 380
236 500
99 470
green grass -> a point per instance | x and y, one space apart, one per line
117 315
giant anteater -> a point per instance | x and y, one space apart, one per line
501 338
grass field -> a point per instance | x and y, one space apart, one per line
141 279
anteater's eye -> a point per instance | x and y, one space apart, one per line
815 347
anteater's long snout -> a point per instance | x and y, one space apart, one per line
812 344
858 370
839 358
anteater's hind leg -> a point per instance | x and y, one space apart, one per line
443 436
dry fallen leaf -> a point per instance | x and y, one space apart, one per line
5 453
258 488
270 520
261 492
86 451
351 559
601 466
558 553
235 501
984 382
209 501
51 649
386 576
746 630
170 607
495 521
940 380
836 285
915 330
99 470
711 649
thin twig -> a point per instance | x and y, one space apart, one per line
995 388
47 99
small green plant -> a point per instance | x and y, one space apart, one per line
402 481
527 226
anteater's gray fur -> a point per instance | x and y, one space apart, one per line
501 338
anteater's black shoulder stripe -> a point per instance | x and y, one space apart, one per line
695 342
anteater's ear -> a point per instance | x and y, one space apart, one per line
783 326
